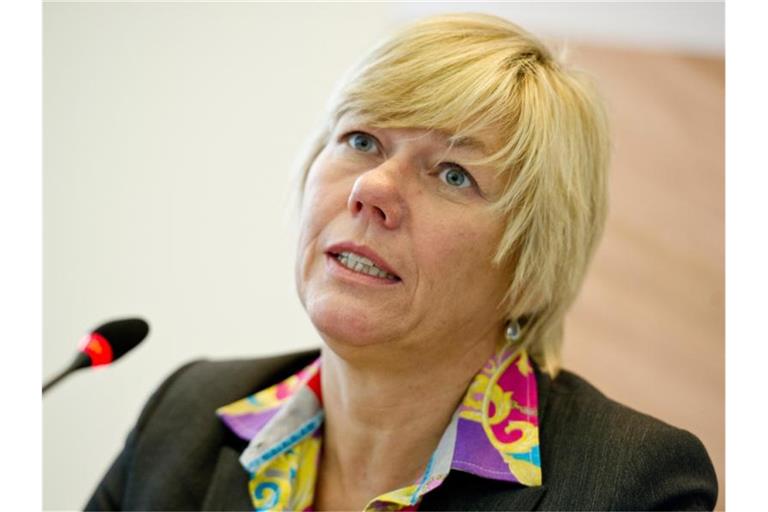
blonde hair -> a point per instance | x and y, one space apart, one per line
466 74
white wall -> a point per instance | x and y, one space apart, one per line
689 27
170 137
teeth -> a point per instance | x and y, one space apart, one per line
363 265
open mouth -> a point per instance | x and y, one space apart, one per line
362 265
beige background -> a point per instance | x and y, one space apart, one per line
170 132
649 327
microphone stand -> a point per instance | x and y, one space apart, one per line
81 361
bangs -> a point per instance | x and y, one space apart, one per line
468 88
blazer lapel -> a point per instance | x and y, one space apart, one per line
228 489
526 498
464 491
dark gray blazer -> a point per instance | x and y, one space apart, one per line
595 453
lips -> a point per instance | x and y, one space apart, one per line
336 249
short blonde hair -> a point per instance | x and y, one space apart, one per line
466 74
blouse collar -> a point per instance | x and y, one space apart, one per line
494 432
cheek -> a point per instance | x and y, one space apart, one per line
462 247
324 200
327 187
310 222
459 239
315 202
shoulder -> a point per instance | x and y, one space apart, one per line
206 385
615 457
179 438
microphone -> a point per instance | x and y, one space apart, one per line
104 345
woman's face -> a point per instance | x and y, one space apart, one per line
397 239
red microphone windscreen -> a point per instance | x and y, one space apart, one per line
112 340
97 348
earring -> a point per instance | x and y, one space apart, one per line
513 330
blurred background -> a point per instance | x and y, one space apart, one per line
171 135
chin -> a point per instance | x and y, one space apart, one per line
342 326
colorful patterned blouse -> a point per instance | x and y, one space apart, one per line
493 434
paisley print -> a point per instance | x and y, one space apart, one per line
503 400
287 482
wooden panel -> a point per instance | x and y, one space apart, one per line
648 328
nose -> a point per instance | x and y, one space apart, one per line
376 196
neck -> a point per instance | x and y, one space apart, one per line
383 422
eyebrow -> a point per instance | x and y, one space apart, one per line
467 142
454 141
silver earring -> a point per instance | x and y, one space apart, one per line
513 330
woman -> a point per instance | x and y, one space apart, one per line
450 207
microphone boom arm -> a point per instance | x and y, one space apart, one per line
81 361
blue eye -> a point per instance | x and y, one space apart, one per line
362 142
455 176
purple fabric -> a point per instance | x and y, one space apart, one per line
475 454
246 426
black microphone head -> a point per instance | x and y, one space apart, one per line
123 335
